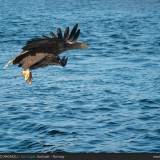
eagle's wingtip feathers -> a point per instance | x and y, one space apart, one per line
8 63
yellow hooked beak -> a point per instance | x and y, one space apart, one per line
83 45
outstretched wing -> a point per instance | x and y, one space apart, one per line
37 50
36 60
29 61
55 43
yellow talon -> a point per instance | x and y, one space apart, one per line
27 74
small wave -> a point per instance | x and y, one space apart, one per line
26 145
109 91
57 132
147 101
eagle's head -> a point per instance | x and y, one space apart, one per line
76 45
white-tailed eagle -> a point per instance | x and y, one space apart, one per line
44 51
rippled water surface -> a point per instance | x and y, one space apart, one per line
107 98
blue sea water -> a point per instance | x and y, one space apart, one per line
107 98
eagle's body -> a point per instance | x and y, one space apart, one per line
44 51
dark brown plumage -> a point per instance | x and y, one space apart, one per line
44 51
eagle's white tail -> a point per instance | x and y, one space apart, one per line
8 63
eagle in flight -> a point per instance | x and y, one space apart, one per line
44 51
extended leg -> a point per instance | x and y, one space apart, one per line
27 74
